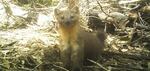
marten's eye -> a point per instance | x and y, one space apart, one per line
71 17
62 17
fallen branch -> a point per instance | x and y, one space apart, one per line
98 64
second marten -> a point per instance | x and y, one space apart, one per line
77 45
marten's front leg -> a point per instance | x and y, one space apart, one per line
77 55
66 56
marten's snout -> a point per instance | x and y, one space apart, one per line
68 21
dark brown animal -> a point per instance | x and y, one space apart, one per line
77 45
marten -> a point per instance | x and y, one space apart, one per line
77 44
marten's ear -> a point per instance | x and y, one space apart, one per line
56 11
75 9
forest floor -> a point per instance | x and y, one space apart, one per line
28 46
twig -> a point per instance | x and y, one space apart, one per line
10 44
24 69
136 40
3 66
37 66
106 13
98 64
140 18
60 67
102 9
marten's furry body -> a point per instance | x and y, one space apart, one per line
77 45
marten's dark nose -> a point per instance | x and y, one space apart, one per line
68 22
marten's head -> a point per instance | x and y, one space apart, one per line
67 17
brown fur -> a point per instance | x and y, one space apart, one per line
77 45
